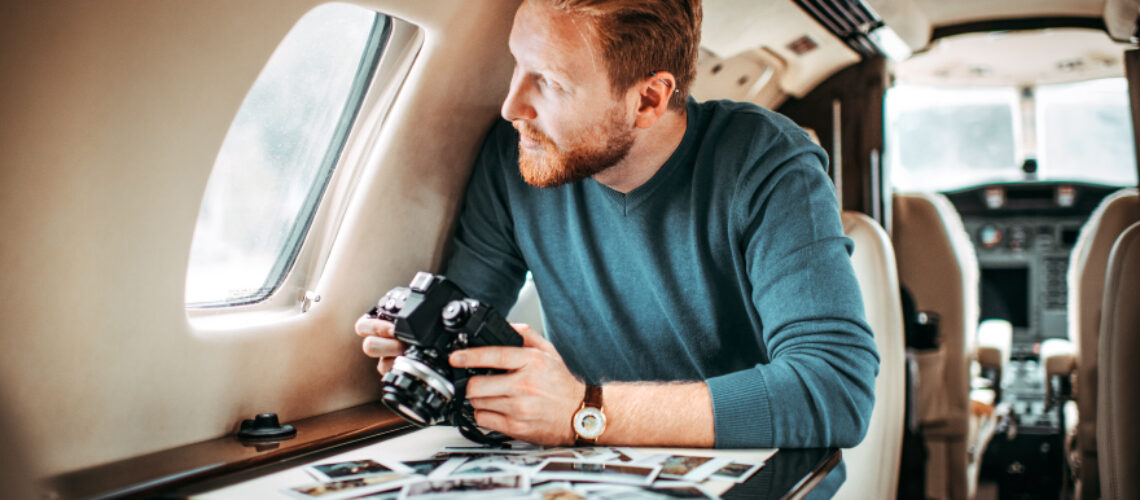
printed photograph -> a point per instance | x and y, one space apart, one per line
556 491
349 487
505 463
625 455
424 467
348 470
611 492
677 466
494 486
738 471
595 454
483 467
569 470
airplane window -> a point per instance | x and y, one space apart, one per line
942 139
278 155
939 138
1087 132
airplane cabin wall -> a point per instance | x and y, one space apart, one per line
113 113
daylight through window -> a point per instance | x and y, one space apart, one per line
278 155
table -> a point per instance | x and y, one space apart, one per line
787 473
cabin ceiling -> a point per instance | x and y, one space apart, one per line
766 51
945 13
1016 58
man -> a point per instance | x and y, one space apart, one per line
689 257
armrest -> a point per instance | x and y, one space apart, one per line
1059 358
995 339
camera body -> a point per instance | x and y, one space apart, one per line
434 318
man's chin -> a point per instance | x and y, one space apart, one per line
541 177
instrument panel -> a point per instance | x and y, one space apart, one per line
1023 235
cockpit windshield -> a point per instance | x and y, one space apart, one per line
944 138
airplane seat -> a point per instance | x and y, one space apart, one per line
938 267
1087 265
873 465
1118 401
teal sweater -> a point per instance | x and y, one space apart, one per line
728 266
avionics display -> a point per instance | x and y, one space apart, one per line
1005 295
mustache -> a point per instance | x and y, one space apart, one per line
532 133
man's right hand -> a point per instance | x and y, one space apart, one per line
379 341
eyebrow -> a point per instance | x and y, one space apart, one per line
550 69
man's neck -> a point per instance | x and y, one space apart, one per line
649 153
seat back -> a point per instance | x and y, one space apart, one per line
939 268
1087 265
873 465
1118 401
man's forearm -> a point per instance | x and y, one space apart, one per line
658 414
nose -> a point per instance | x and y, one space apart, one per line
516 105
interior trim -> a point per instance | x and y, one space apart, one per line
148 475
1036 23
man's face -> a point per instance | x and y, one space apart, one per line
571 125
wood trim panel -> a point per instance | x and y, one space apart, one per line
148 475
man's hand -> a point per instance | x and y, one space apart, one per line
379 341
537 397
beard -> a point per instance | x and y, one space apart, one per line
590 153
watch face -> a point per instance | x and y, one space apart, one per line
589 423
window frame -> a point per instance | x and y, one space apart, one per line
391 50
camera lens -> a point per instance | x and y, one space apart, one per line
417 392
456 314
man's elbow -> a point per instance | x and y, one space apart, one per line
852 413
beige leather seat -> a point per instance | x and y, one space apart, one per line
1087 266
873 465
938 266
1118 401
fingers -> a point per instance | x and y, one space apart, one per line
369 326
385 365
493 386
497 404
498 357
532 338
493 421
380 347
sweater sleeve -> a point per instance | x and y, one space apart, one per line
816 387
486 262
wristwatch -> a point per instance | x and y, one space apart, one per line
589 421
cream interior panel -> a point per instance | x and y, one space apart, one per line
731 27
942 13
114 112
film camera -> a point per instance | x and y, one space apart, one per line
433 318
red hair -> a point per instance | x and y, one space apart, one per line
639 37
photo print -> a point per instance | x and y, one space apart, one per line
492 486
347 488
578 470
737 472
336 471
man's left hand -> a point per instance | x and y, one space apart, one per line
537 397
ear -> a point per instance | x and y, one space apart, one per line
654 94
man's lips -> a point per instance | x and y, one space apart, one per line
529 143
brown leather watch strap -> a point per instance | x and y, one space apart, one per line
593 397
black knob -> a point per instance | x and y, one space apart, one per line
456 314
265 426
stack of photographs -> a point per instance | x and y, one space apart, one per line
525 471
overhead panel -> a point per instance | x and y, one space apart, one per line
808 51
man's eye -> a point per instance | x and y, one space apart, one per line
543 82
